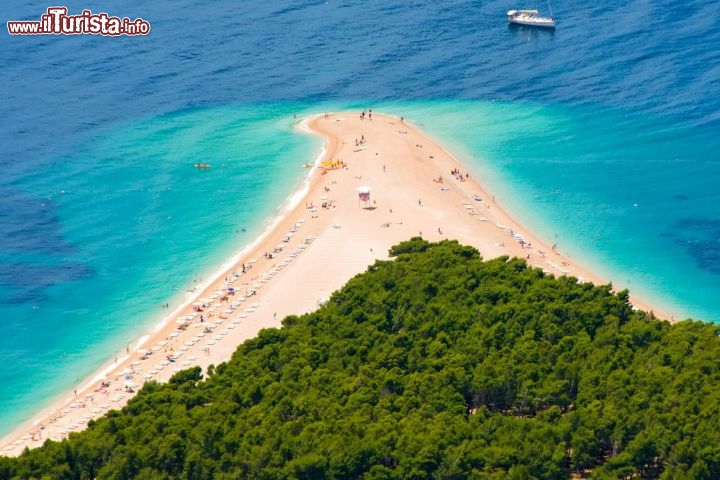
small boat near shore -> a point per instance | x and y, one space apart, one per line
202 165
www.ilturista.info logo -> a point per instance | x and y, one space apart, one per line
57 22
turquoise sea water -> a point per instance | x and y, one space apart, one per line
603 141
131 224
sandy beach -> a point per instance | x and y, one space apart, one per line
415 188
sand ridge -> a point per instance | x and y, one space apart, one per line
416 188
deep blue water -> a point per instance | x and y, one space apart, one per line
602 135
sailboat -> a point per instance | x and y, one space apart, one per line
531 18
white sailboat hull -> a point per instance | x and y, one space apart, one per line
530 18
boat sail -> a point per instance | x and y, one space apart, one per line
531 18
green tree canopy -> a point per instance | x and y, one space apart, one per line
435 364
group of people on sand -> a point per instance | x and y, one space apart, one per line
368 113
456 173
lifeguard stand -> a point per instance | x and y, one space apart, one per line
364 195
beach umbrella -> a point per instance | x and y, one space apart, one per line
230 289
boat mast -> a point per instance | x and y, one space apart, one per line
550 8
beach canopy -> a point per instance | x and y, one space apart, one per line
364 194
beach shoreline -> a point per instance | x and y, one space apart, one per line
189 294
416 187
